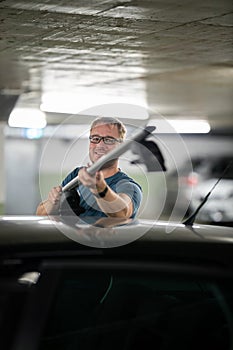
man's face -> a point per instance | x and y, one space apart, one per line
97 150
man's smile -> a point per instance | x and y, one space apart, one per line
100 152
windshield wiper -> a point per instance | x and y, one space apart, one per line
190 220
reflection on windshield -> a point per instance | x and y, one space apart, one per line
100 232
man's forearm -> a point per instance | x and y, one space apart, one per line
115 204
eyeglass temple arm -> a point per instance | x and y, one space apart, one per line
138 136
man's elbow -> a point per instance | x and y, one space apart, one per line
124 213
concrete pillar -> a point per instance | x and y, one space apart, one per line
2 169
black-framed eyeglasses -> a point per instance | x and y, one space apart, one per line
108 140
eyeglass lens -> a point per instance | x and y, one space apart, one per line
107 140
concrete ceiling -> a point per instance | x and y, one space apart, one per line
177 55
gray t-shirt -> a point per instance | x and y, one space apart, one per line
119 183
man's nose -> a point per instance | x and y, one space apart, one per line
101 141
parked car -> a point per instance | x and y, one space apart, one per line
188 187
160 285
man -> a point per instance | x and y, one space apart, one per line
107 193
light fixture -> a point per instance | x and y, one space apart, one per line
30 118
181 126
190 126
32 134
75 103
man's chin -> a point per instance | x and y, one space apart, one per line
109 164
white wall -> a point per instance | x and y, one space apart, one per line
21 187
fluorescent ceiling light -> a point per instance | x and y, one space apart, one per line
76 103
27 118
190 126
181 126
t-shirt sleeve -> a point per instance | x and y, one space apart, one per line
133 191
70 176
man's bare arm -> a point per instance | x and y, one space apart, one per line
117 205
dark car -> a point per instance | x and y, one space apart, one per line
67 284
188 186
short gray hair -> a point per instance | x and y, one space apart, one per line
111 121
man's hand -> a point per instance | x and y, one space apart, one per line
54 195
94 182
51 205
113 204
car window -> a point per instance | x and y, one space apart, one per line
135 311
85 308
13 299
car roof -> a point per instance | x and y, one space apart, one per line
40 237
20 229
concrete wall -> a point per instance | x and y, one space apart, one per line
2 169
